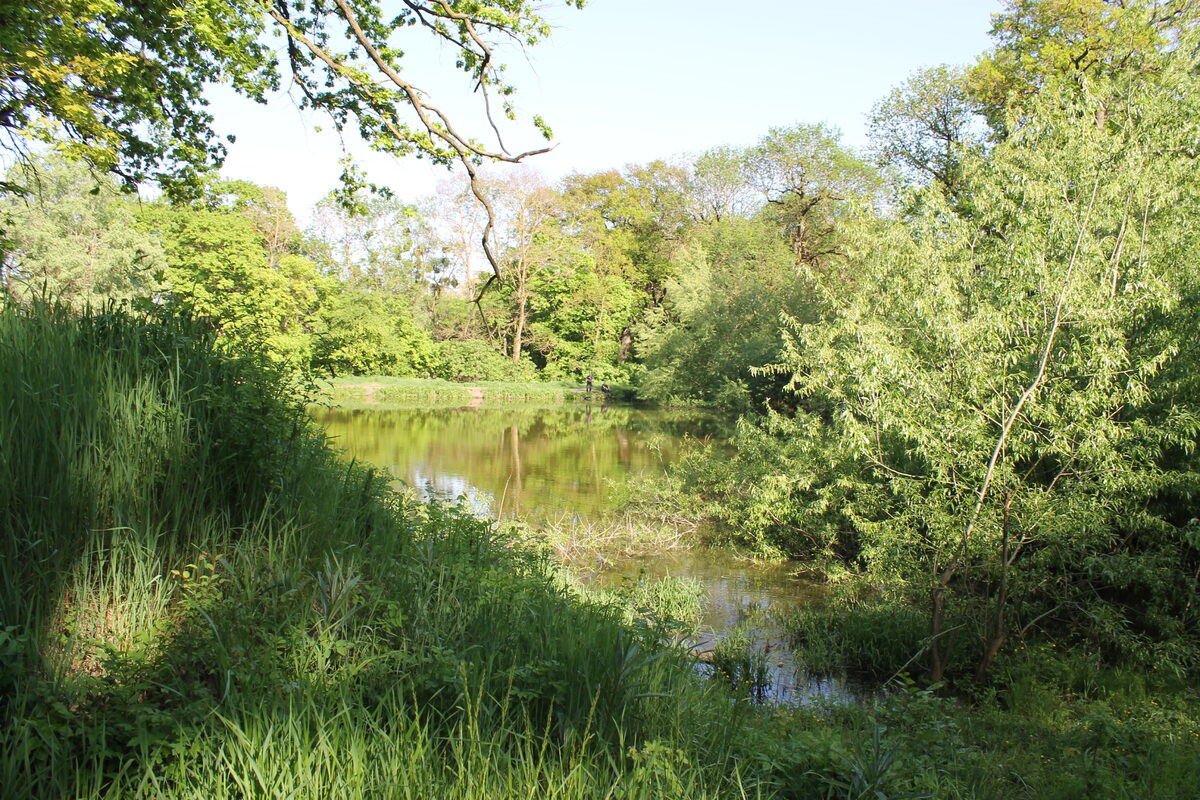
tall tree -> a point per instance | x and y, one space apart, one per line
1041 41
808 179
925 126
74 236
526 209
218 268
1011 392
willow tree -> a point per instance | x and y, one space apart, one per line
1013 394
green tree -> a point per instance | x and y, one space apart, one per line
1041 41
1011 395
74 236
809 181
218 267
365 333
924 126
526 208
628 227
377 244
721 318
121 82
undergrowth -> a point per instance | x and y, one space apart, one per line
199 600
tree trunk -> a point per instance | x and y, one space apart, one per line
626 345
519 329
999 634
937 616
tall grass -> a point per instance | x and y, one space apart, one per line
198 599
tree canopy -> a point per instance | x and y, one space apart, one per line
120 84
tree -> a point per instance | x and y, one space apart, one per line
628 225
924 126
721 318
1048 40
378 244
719 188
808 180
1011 395
265 206
526 209
365 333
218 268
121 82
74 236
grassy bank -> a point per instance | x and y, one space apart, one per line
384 390
199 600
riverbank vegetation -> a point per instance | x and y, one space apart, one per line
965 359
201 600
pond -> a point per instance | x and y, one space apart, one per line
543 463
531 463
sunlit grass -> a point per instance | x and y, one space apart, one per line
199 599
383 390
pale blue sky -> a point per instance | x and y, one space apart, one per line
628 81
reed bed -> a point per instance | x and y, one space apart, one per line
575 539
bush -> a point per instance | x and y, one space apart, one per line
476 360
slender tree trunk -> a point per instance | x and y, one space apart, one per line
937 616
999 632
519 329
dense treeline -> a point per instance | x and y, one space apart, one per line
672 277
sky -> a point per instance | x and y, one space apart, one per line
629 81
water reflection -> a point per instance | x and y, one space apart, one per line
751 596
542 463
532 463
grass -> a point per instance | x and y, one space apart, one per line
198 600
376 390
579 540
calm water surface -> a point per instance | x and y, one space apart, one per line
529 463
548 462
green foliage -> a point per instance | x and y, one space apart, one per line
721 319
364 333
1041 42
999 414
809 181
73 236
123 83
120 85
199 597
475 360
924 127
218 268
